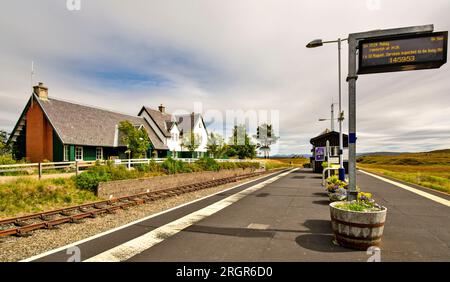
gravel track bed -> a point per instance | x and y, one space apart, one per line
17 248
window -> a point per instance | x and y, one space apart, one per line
99 153
66 153
78 153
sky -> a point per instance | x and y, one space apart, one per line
226 58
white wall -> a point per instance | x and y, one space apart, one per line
174 144
201 130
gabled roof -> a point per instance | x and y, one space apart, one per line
85 125
184 122
166 121
161 119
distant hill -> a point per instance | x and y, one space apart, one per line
436 157
444 151
284 156
381 154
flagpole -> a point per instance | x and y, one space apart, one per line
31 81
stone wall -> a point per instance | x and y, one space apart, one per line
113 189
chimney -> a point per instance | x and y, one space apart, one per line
41 91
162 109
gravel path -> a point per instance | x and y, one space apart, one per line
17 248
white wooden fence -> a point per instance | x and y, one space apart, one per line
78 166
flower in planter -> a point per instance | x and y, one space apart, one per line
333 184
365 197
363 203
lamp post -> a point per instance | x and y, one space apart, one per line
318 43
331 119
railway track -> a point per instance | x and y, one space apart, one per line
23 225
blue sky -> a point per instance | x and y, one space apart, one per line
228 56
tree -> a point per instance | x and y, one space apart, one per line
240 144
265 137
191 142
136 139
4 148
216 145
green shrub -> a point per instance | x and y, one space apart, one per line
227 165
172 166
244 165
194 167
150 167
6 160
90 179
208 164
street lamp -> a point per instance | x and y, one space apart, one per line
317 43
332 117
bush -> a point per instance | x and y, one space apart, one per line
90 179
151 167
227 165
244 165
172 166
6 160
208 164
100 173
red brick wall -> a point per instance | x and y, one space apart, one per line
39 135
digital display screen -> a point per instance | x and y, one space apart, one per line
403 53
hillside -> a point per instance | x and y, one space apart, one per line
439 157
429 169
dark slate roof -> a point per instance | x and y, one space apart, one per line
165 121
161 120
184 122
84 125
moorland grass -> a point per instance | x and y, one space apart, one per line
430 169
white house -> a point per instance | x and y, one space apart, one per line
171 129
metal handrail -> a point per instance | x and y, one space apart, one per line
325 170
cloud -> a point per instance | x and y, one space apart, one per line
228 55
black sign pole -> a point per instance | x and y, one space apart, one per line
353 40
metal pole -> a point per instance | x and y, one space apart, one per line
332 116
340 119
328 156
352 45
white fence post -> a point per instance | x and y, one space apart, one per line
40 170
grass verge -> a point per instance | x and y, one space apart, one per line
24 195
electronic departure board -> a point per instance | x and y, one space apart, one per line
402 53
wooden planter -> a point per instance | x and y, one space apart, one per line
333 197
357 230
